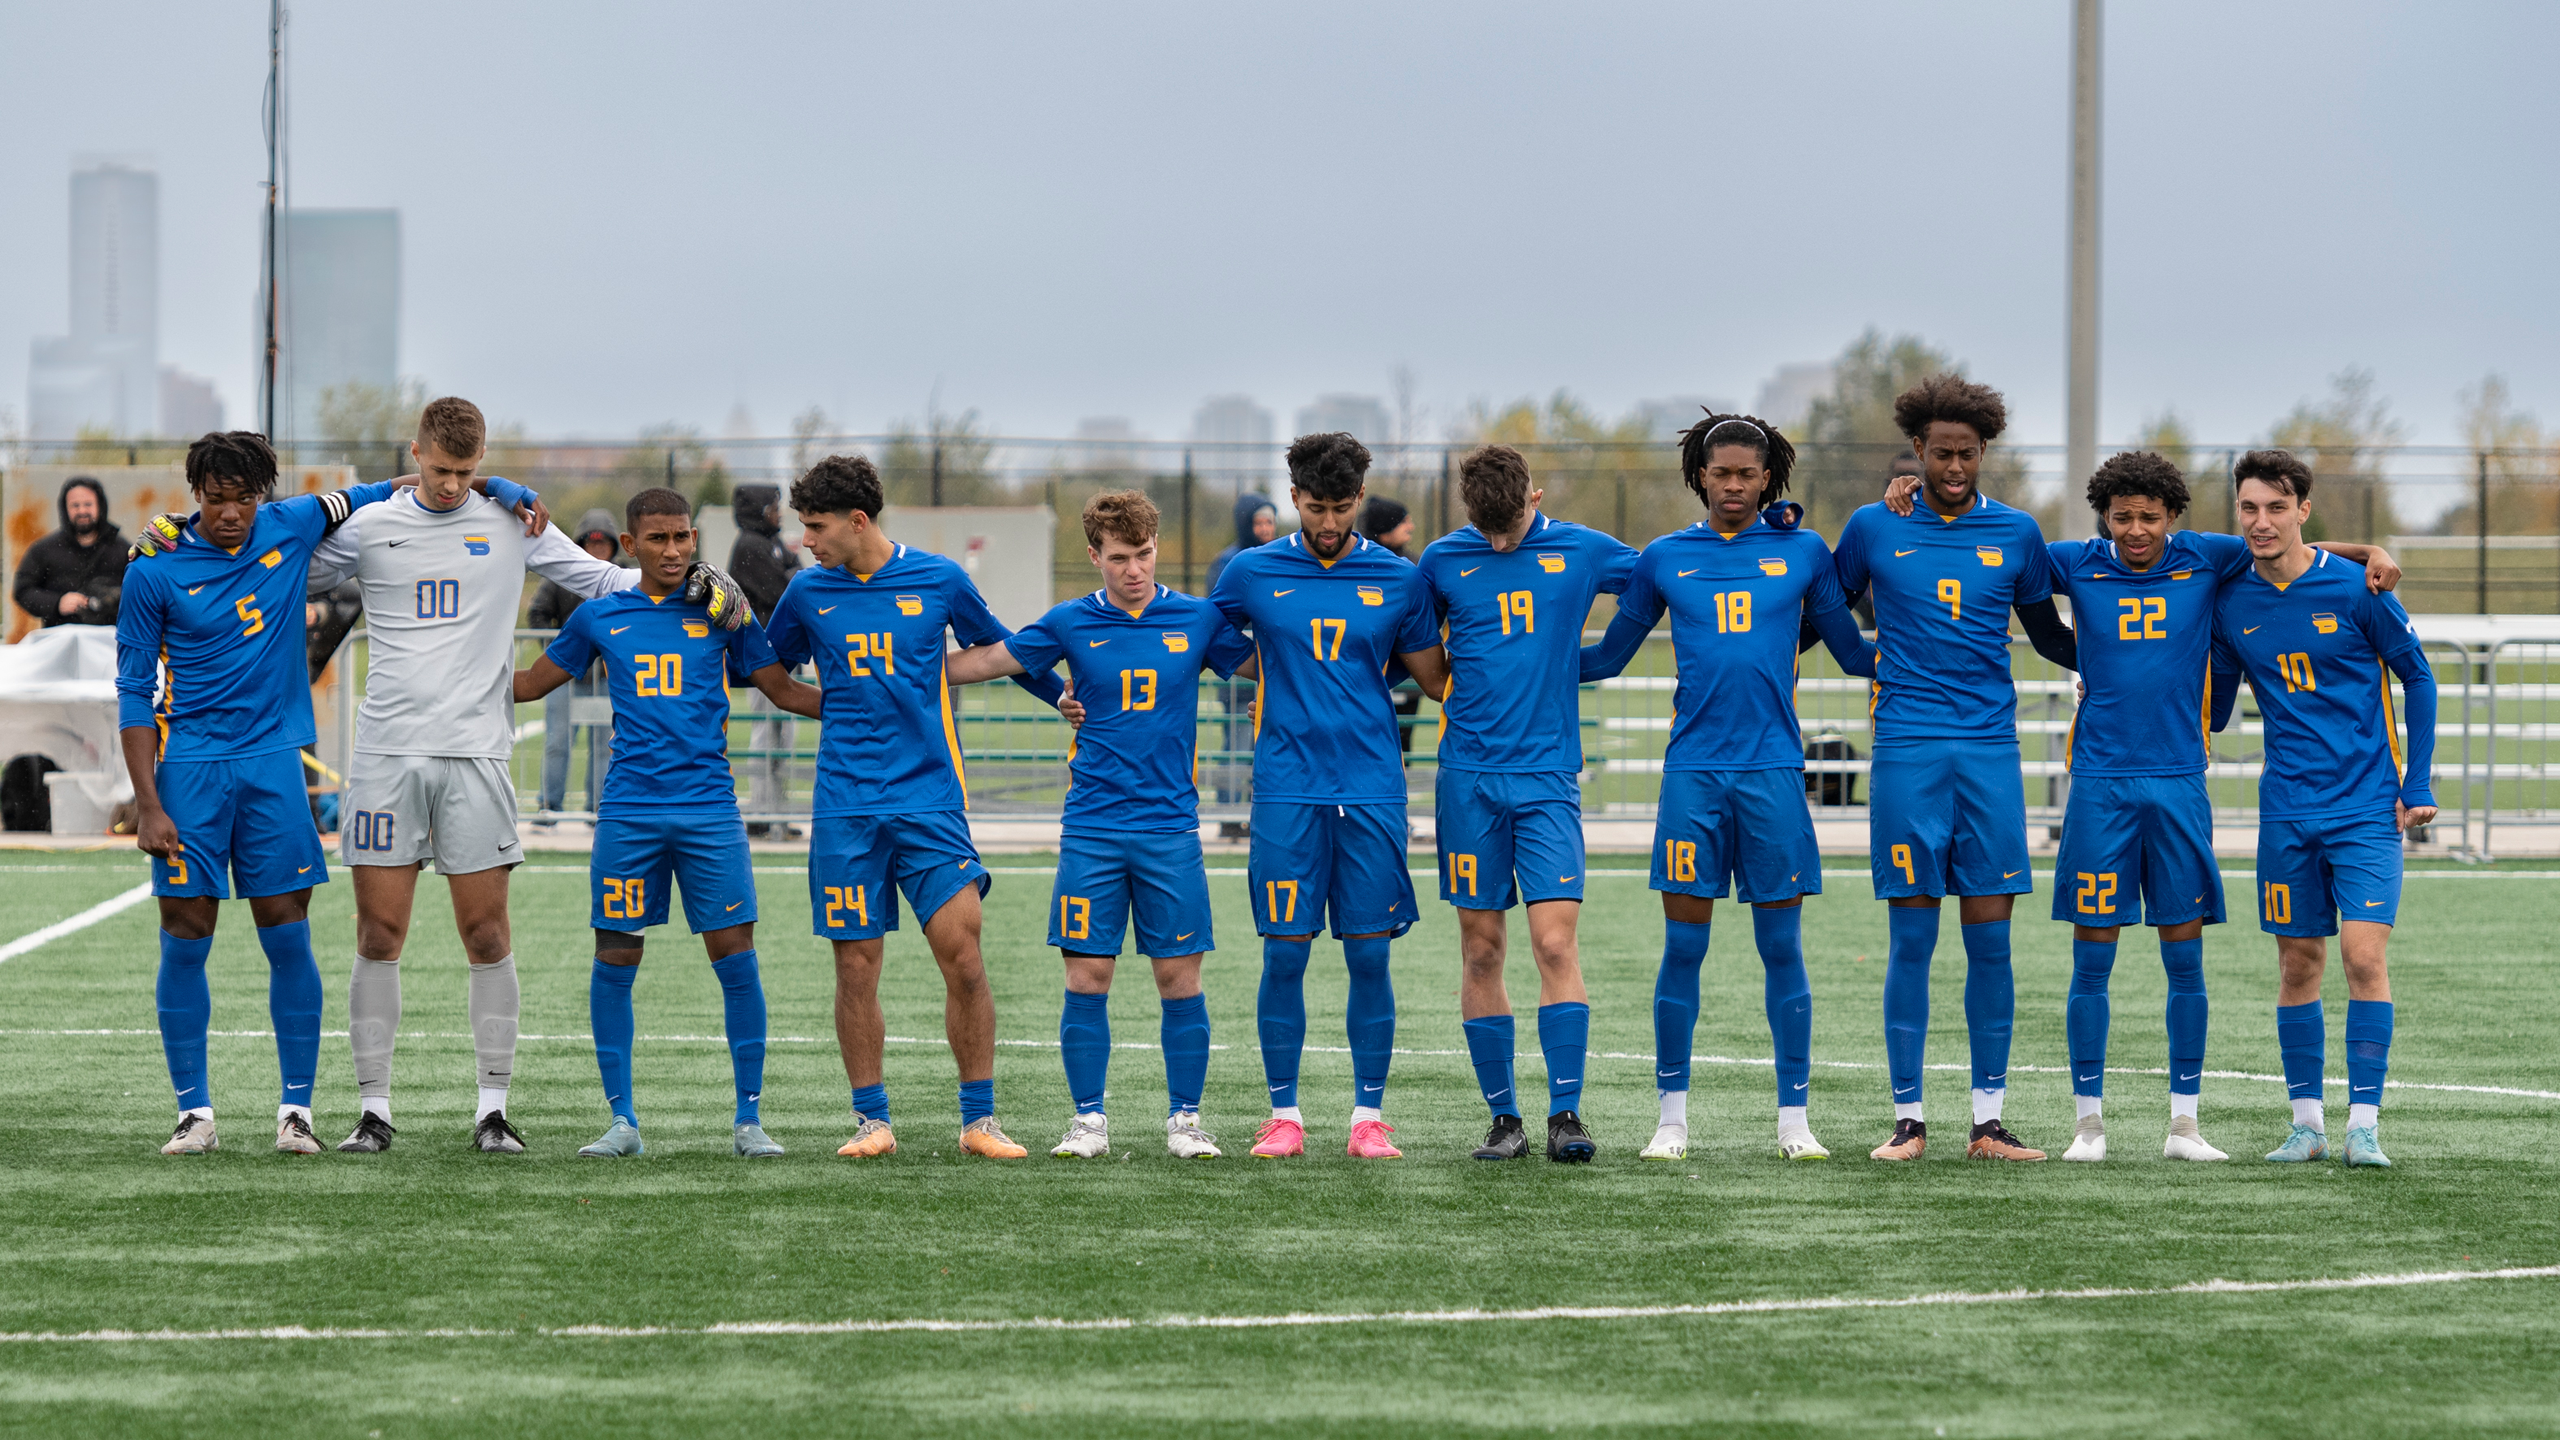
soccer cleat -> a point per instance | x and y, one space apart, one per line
1087 1138
194 1136
294 1137
372 1135
1369 1142
1910 1140
1992 1141
749 1140
1800 1145
2364 1147
2301 1143
870 1138
622 1139
494 1135
1507 1140
1184 1137
1279 1139
2186 1142
1567 1142
2088 1139
982 1137
1670 1142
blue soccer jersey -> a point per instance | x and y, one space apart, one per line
1514 703
2314 651
2145 642
1943 590
1325 730
888 740
1138 677
668 668
229 624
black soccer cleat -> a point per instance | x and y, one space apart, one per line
373 1134
1567 1142
496 1136
1505 1141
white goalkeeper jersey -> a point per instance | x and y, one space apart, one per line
441 593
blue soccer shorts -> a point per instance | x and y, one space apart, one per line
1506 838
2137 850
855 859
1103 881
1947 816
703 851
2311 872
1348 859
1743 832
244 827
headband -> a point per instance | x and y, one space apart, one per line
1736 420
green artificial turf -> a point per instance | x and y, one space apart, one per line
104 1233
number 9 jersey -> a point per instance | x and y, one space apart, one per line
1943 591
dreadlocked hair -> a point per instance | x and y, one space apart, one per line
1777 457
237 455
1951 397
2138 472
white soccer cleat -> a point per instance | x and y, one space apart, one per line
1670 1142
2088 1140
1800 1145
294 1137
2185 1143
194 1136
1088 1137
1184 1137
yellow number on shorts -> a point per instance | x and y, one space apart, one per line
1902 853
2097 892
250 615
1462 867
626 899
1075 917
1271 901
2296 670
1319 625
841 898
178 863
1137 689
1951 590
658 674
2279 904
1680 861
1733 611
1521 603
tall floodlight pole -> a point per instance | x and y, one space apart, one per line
2081 449
275 140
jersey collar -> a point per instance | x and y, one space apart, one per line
1358 544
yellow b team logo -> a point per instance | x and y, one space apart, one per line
1372 595
910 604
698 629
2325 624
272 559
1176 642
1773 567
1987 554
1552 564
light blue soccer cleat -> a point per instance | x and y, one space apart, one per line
2364 1147
749 1140
622 1139
2304 1143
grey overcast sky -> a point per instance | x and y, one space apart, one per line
626 214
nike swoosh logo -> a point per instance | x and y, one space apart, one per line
736 904
965 864
2190 1075
2008 874
617 630
1567 1080
1465 573
2254 629
1898 554
1685 574
1498 1094
396 544
1090 644
1187 934
2369 904
305 870
830 610
1292 590
1665 1074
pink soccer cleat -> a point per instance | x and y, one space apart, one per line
1369 1142
1279 1139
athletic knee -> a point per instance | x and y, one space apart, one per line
487 942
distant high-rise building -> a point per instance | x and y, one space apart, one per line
1364 417
1105 442
105 373
1790 391
1666 418
188 405
338 310
1231 440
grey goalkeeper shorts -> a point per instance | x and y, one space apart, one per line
459 811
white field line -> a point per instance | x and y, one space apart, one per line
82 921
1306 1319
1420 872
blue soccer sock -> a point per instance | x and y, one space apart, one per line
1490 1045
871 1102
2302 1033
1280 1014
1185 1036
1675 1002
609 1015
742 1008
1084 1040
1912 932
2085 1014
1990 1001
2368 1051
2184 960
1788 993
186 1010
1369 1019
1564 1033
293 1003
977 1100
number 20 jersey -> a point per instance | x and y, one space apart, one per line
668 668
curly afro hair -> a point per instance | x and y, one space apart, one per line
1953 398
839 485
1330 466
2280 469
1776 455
2138 472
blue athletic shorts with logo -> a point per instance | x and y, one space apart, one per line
249 817
2311 872
1744 832
854 860
1947 816
703 851
2137 850
1104 880
1349 859
1507 838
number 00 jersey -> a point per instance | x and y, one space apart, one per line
668 668
2146 638
1943 591
1513 625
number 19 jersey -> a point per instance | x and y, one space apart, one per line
1513 626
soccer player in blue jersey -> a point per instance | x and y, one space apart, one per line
1507 804
217 762
1329 614
891 806
670 806
1129 848
2314 642
1948 807
1739 586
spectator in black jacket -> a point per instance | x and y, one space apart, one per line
1257 522
75 575
599 536
763 566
